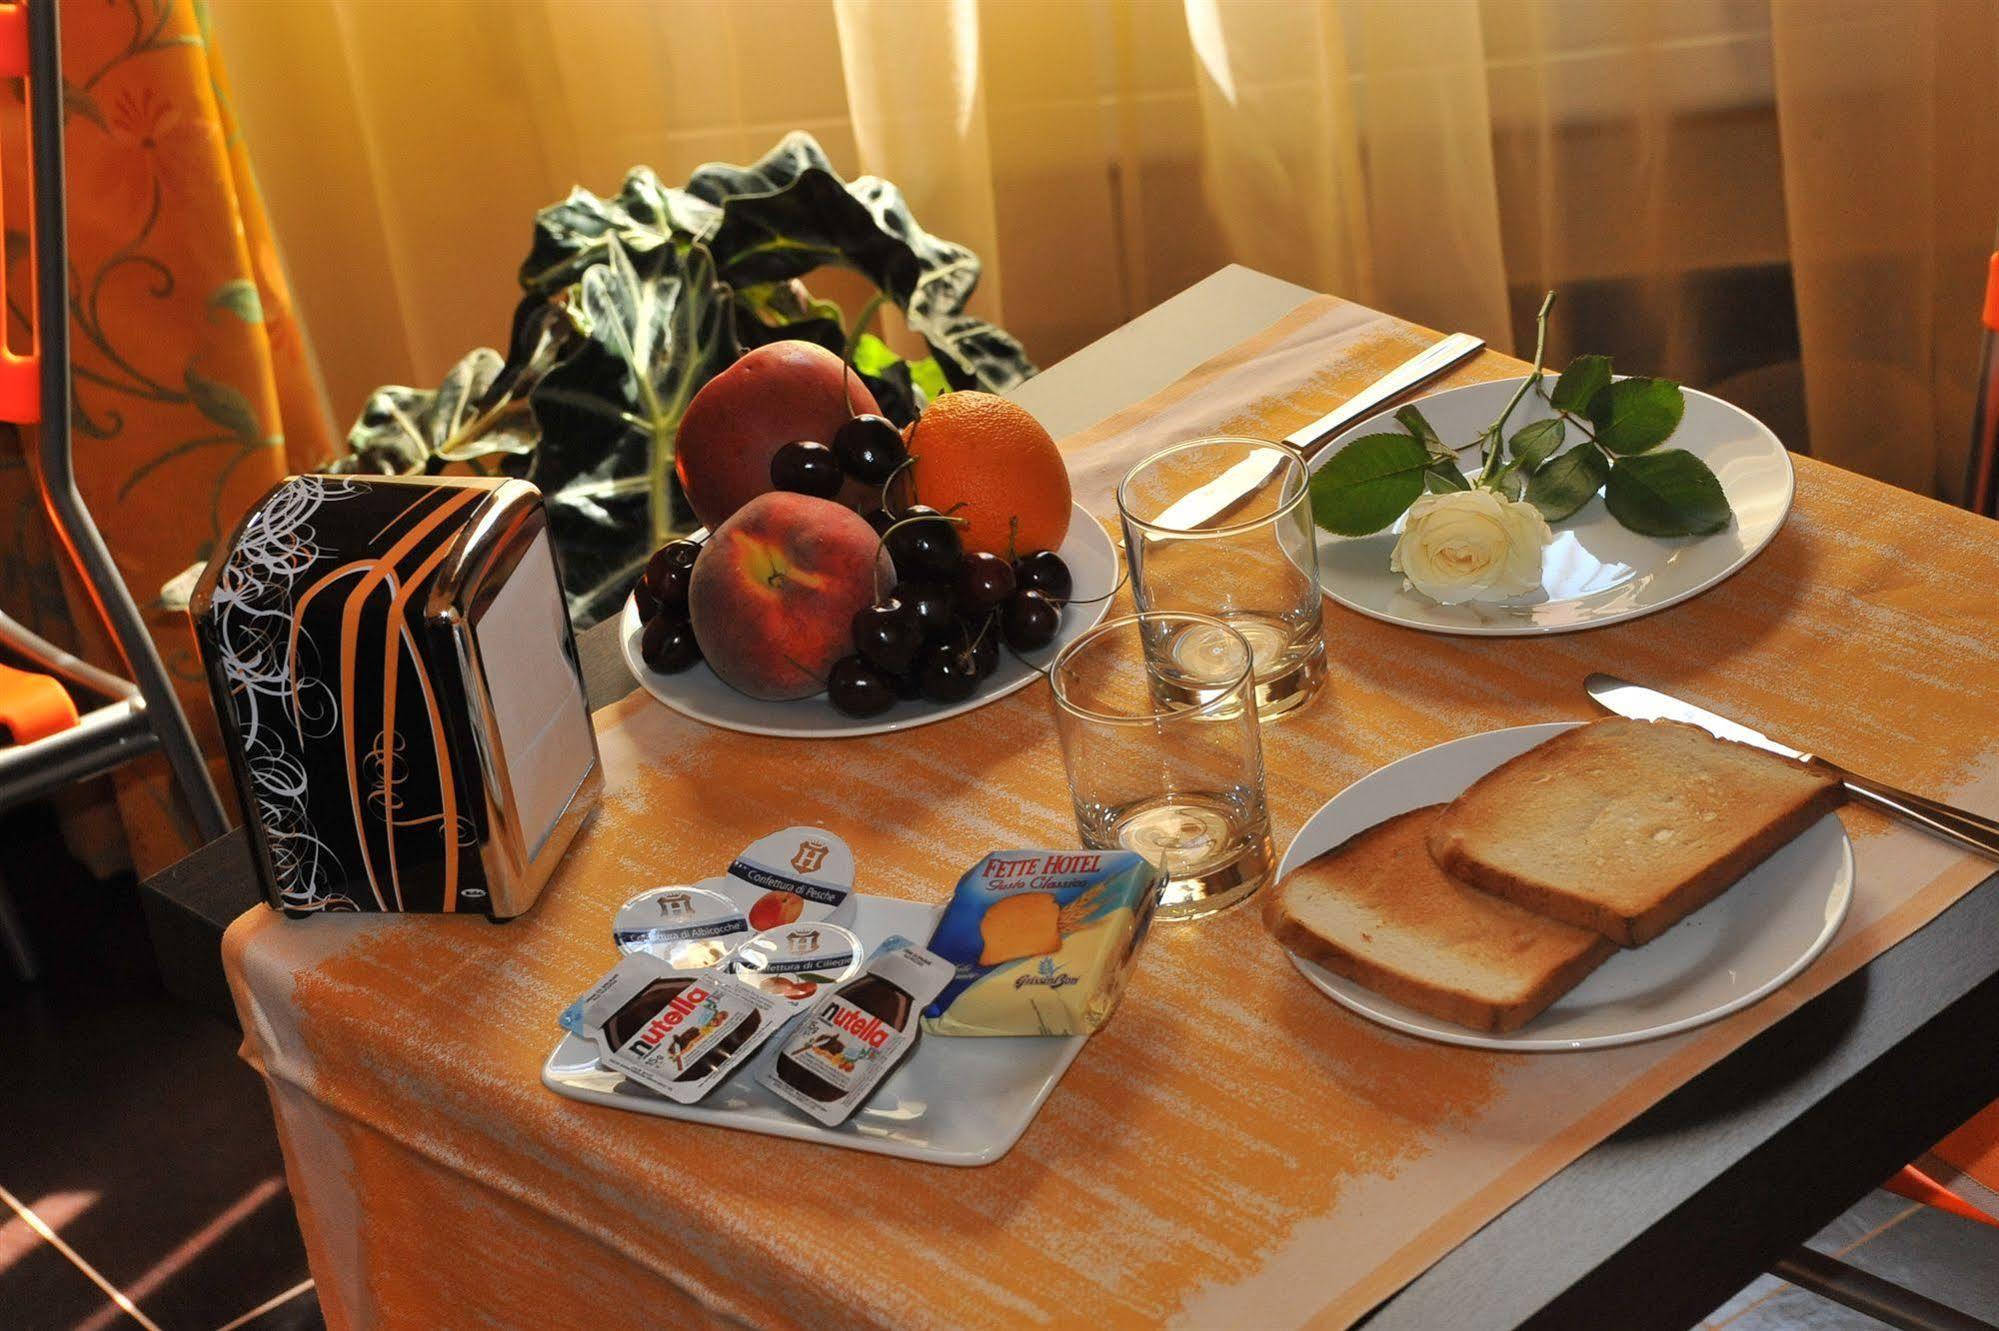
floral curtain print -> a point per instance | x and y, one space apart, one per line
193 392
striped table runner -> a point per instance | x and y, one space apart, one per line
1232 1150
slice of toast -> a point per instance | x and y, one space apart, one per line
1377 910
1627 827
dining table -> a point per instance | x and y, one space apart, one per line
1299 1167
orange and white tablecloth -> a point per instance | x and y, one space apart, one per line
1232 1150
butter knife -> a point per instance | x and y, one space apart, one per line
1199 507
1974 833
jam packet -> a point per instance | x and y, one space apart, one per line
794 962
801 874
1041 941
689 928
836 1058
674 1032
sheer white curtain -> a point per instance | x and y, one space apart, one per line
1712 180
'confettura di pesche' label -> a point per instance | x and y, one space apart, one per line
675 1032
855 1036
1041 941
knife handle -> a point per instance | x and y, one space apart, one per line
1980 835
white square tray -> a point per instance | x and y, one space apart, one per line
954 1101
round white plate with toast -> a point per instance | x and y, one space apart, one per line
1597 571
699 693
1738 949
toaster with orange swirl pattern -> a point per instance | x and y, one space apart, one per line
392 665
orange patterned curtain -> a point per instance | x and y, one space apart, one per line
193 390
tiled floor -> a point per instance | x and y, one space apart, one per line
1953 1261
141 1184
136 1150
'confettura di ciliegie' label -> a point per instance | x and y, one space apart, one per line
1041 941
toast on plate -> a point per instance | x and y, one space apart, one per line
1627 827
1377 910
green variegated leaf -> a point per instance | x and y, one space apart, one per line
574 235
790 213
654 328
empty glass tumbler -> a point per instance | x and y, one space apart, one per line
1223 527
1164 761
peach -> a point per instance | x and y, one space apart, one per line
774 592
773 394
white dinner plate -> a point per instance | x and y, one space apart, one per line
1596 571
1737 949
697 693
955 1100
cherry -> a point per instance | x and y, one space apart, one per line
908 685
1029 621
984 580
869 448
1044 571
674 554
646 599
669 588
859 689
948 673
881 520
668 644
929 604
986 652
806 468
887 636
926 549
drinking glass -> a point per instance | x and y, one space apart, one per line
1223 527
1166 761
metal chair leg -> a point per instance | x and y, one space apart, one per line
71 519
1883 1300
14 938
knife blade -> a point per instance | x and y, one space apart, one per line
1643 704
1199 507
1974 832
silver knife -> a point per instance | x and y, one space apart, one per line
1199 507
1969 830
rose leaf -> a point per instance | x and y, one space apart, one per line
1568 482
1368 484
1666 494
1584 378
1633 415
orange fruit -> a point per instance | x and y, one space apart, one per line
983 459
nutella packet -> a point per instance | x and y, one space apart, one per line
799 875
678 1033
687 928
856 1035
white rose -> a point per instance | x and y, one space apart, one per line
1471 545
